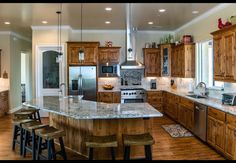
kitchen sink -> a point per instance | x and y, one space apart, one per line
196 96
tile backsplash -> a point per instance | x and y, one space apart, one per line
4 83
185 84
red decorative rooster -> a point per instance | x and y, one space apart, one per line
222 25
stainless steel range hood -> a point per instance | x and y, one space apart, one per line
131 62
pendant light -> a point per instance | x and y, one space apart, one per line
81 51
59 57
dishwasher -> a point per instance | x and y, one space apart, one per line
200 121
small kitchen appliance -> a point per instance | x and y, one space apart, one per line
153 84
229 99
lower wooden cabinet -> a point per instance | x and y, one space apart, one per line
4 103
171 105
155 99
108 97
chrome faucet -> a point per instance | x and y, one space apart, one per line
203 85
60 91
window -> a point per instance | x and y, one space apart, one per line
204 62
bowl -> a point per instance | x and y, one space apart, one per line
108 88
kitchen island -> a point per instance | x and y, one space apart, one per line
80 118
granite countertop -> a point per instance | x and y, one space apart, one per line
71 107
2 89
215 103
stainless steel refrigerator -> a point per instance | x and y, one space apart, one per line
82 80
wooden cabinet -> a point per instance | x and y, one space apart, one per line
171 105
183 61
166 50
216 129
109 54
230 136
186 113
108 97
152 62
155 98
90 53
224 45
4 103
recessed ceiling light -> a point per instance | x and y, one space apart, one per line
162 10
44 22
108 8
7 23
195 12
107 22
150 22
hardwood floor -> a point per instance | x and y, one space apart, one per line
165 148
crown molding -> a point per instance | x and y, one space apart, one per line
157 32
16 35
21 37
49 27
205 15
97 31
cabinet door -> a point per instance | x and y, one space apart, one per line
116 97
230 141
182 115
174 61
106 97
220 135
189 119
211 130
152 62
90 54
218 57
102 55
73 58
114 55
229 56
165 60
189 61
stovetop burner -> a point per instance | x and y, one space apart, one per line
125 89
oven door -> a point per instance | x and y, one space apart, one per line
132 100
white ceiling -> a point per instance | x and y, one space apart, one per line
24 15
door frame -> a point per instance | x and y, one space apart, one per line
38 69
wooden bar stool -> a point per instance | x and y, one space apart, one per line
145 140
33 113
29 132
18 131
101 141
50 133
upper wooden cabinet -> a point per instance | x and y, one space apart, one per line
224 45
90 53
109 54
166 50
183 61
152 62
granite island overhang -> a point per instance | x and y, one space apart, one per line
80 118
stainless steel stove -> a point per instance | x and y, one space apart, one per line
133 95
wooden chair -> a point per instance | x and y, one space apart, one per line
50 133
101 142
145 140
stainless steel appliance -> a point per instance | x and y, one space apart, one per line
82 81
229 98
200 121
109 70
133 95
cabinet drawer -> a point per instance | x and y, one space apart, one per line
231 119
171 98
186 102
155 93
220 115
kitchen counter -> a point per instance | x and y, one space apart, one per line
79 120
113 90
215 103
2 89
70 107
